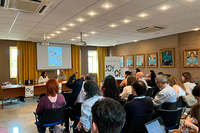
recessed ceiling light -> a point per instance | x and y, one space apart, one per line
135 40
85 35
106 5
57 31
113 44
78 37
64 28
93 32
143 15
92 13
113 25
48 37
164 7
126 21
52 35
71 24
196 29
80 19
73 39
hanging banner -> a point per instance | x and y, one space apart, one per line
112 66
29 91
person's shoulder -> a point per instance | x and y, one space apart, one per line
43 99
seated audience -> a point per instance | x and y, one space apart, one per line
139 76
124 82
140 105
195 112
43 77
128 89
52 100
61 77
196 93
93 93
136 71
178 87
187 79
166 93
160 73
110 88
78 94
152 76
108 116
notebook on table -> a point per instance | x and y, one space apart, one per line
156 126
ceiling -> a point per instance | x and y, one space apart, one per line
177 15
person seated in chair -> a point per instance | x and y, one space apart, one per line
93 93
166 93
52 100
196 93
61 77
108 116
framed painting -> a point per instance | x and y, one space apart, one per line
129 61
167 57
140 60
191 58
152 59
121 61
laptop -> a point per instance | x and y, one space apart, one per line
156 126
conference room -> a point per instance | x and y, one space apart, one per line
41 40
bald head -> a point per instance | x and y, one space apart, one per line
61 72
139 75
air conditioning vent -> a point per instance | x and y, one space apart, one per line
31 6
151 28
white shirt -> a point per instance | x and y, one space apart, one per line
43 80
181 91
126 92
81 95
189 86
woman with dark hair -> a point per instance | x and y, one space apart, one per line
128 89
196 93
110 88
52 100
152 76
187 79
43 77
124 82
93 93
195 112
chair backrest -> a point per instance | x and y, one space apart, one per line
169 106
149 92
181 103
138 123
66 95
78 110
170 117
53 115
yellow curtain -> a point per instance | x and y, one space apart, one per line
26 61
101 54
76 63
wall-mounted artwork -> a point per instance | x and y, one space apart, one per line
139 60
121 61
129 61
191 58
167 57
152 59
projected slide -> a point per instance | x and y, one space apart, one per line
55 56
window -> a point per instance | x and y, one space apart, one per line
58 72
92 61
13 62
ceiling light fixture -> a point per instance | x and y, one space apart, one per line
73 39
80 19
57 31
93 32
85 35
52 35
196 29
126 21
92 13
143 15
135 40
164 7
113 25
106 5
48 37
64 28
78 37
71 24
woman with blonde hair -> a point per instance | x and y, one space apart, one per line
180 89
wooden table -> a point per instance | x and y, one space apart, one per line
19 90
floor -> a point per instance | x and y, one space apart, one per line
18 117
